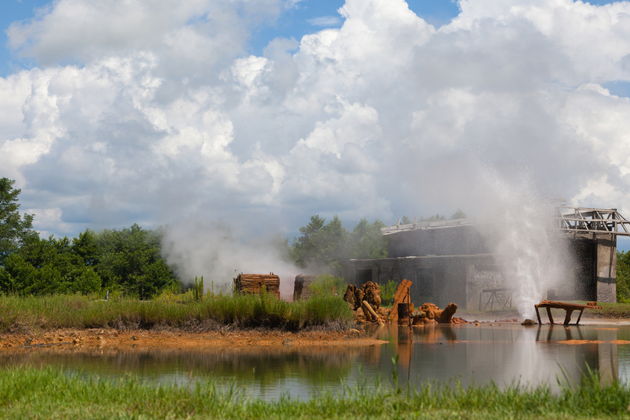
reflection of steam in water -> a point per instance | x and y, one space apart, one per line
504 355
472 355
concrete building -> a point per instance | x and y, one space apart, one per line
449 261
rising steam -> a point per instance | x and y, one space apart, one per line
219 251
521 231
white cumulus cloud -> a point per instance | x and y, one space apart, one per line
151 112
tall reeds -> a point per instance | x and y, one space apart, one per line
247 311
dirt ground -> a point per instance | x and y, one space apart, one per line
150 339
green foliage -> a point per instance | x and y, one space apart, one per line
27 392
14 227
387 292
127 260
130 259
320 243
197 288
459 214
326 245
367 241
179 311
623 277
327 285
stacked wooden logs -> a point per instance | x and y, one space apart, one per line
257 284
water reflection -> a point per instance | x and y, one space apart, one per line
468 354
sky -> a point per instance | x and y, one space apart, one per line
263 113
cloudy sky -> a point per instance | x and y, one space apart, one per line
264 112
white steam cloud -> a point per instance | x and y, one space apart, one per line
163 114
521 230
219 252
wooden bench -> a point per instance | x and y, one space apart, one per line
567 306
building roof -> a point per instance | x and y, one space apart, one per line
580 221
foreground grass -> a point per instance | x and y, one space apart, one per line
247 311
32 393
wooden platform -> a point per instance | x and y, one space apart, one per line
567 306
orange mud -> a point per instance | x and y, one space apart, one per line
578 342
144 339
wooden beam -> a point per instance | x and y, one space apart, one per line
401 295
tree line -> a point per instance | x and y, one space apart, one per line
129 260
325 245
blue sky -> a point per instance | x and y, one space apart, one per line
306 17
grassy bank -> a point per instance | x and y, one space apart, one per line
610 310
31 393
245 311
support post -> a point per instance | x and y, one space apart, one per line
549 315
579 317
567 317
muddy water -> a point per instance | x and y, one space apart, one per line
503 354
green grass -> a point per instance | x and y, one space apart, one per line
49 393
610 310
247 311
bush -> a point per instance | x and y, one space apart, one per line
623 277
327 285
387 292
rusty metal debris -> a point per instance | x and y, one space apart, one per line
367 298
401 296
369 291
430 313
567 306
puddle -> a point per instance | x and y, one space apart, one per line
504 354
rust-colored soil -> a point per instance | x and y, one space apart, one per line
576 342
147 339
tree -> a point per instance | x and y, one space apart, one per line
47 266
14 227
367 241
321 244
324 245
130 259
459 214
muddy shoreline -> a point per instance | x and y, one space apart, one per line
86 339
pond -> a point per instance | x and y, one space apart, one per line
504 354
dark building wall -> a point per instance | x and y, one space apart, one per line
440 280
462 240
584 252
452 265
